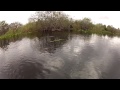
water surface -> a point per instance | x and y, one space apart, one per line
60 56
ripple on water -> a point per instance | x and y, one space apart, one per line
23 69
80 57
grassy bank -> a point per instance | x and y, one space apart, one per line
10 35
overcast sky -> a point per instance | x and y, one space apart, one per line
105 17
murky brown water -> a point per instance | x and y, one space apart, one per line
60 57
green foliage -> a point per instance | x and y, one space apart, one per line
49 21
3 27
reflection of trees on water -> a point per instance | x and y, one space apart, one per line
77 57
52 41
5 42
49 41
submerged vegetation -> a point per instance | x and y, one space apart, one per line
51 21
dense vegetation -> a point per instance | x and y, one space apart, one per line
50 21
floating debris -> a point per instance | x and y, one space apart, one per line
56 40
51 36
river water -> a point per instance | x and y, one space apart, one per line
60 56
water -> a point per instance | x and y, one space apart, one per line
60 56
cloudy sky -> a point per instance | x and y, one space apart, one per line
105 17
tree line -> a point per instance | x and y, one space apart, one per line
49 21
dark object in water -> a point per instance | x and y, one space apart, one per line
71 26
56 30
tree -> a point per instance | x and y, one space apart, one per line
86 24
99 27
76 25
49 20
15 25
111 29
3 27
